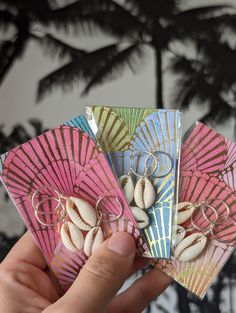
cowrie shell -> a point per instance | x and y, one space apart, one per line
144 193
71 237
141 217
127 186
81 213
180 234
93 240
190 247
184 212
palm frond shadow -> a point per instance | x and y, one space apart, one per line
207 80
155 24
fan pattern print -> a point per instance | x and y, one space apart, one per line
207 172
124 131
68 160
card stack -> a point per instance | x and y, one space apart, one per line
123 169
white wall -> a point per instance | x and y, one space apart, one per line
17 96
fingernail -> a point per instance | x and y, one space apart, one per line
121 243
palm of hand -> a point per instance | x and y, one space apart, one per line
31 286
26 285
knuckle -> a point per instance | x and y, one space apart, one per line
102 267
12 273
7 274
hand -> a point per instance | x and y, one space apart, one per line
26 285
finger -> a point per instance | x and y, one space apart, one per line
26 250
144 290
139 262
101 277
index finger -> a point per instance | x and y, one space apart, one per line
144 290
26 250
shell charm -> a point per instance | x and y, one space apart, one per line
127 186
191 247
184 212
144 193
81 213
180 234
93 240
141 217
71 237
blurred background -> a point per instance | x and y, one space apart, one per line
57 56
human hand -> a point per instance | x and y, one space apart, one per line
26 285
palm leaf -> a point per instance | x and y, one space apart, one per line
68 14
9 52
57 48
194 90
194 25
37 126
79 68
116 20
221 23
72 13
183 65
90 14
227 20
199 84
63 77
185 94
6 19
115 66
192 85
200 12
221 68
39 10
219 112
154 9
19 135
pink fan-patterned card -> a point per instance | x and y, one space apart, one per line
68 197
206 230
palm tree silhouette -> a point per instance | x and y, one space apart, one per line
134 24
208 79
25 20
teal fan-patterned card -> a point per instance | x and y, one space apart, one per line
143 147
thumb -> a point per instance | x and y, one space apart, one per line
101 277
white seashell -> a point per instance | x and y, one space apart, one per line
180 234
140 216
144 193
81 213
127 186
93 240
71 237
191 247
184 212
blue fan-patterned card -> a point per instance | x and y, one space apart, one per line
143 147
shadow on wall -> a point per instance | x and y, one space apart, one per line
197 39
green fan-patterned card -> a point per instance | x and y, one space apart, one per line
143 147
